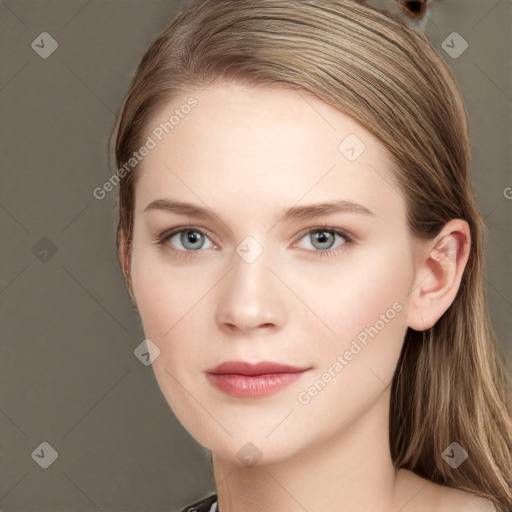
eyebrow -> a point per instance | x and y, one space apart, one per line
288 214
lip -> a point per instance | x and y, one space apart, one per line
253 380
246 368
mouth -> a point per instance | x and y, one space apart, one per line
247 380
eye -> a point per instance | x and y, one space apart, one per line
323 240
190 239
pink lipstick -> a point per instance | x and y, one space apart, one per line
247 380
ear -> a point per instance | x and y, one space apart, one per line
440 265
124 255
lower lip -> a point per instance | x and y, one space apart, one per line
257 386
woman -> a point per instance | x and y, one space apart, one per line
298 234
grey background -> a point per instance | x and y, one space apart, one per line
68 373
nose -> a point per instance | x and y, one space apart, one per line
251 299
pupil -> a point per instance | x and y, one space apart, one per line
324 237
192 237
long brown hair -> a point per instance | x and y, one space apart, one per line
449 384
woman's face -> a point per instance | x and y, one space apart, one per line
260 274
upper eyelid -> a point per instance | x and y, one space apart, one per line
340 231
166 235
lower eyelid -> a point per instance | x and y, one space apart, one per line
343 235
166 237
172 234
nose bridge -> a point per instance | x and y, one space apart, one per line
250 296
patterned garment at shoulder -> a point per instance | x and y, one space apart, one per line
208 504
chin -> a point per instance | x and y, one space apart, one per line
249 454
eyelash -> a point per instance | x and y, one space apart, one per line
164 237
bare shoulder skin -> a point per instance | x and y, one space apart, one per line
417 494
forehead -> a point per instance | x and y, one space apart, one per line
242 144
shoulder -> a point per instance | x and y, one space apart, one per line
456 500
203 505
431 497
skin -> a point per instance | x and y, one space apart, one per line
245 154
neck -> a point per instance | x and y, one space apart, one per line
352 470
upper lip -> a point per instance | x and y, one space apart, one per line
261 368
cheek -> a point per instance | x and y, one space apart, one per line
165 293
354 294
367 311
171 302
365 305
171 320
169 307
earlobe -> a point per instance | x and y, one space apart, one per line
439 271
